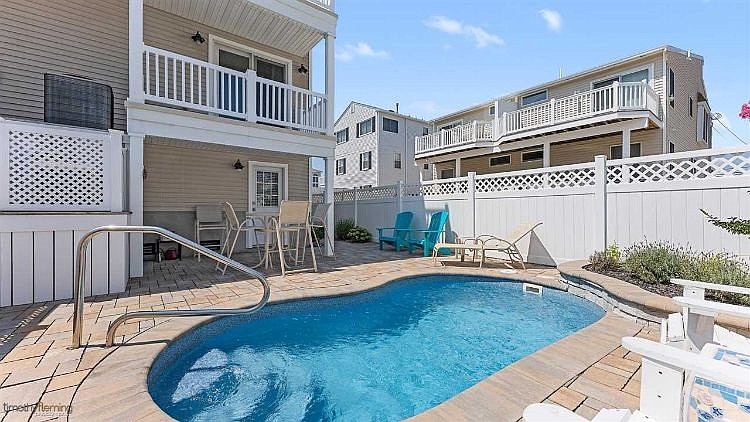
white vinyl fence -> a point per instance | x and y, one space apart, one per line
583 207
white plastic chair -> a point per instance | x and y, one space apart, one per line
676 385
318 220
695 327
208 217
294 219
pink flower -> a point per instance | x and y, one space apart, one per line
745 111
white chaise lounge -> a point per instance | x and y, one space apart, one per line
486 242
676 385
695 326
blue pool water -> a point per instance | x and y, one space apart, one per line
382 355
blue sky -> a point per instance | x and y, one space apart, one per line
438 56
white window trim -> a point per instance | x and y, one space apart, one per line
510 160
336 165
369 161
536 159
649 67
520 98
382 124
640 146
374 120
251 183
346 129
400 160
489 109
214 42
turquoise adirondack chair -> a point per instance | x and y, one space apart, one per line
426 239
400 231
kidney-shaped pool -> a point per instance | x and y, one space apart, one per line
385 354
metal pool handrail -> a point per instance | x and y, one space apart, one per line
80 282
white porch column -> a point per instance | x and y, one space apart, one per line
135 51
545 151
330 83
626 143
135 201
330 162
457 173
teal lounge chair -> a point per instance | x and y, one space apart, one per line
400 231
426 239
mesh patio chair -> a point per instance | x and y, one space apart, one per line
293 221
234 228
208 217
318 220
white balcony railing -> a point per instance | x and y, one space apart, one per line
193 84
628 96
468 133
617 97
326 4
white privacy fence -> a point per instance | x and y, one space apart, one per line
583 207
59 168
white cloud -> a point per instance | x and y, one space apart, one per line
360 49
553 18
481 37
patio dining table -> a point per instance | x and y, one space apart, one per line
265 219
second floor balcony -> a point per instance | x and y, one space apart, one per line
597 106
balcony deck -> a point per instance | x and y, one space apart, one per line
598 106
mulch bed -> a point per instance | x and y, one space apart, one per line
668 290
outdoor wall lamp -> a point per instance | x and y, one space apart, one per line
302 69
238 165
198 37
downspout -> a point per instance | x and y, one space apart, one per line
404 164
665 93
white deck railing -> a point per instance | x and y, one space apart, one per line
193 84
468 133
325 4
629 96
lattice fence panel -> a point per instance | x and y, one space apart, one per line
343 196
56 171
454 187
696 168
377 192
570 178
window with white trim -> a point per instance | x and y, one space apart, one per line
532 156
315 180
500 160
534 98
451 125
342 136
397 160
492 110
390 125
615 151
365 161
341 166
671 88
447 173
671 147
690 106
366 126
426 166
425 131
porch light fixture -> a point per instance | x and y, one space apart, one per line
198 37
302 69
238 165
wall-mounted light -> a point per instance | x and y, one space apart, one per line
238 165
198 37
302 69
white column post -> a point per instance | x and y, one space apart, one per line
625 154
251 113
330 82
135 195
115 171
458 168
552 111
472 196
400 195
600 202
545 151
496 123
356 211
330 162
135 51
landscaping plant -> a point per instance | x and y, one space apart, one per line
359 234
341 231
606 260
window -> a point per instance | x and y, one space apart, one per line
706 124
532 156
447 173
690 106
615 151
390 125
341 166
74 101
671 88
426 166
365 161
316 180
500 160
397 160
534 98
425 131
638 76
342 136
365 127
671 147
451 125
606 82
492 110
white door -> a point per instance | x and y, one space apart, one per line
267 188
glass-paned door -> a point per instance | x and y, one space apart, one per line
231 88
268 189
271 101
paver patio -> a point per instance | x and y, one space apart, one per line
37 366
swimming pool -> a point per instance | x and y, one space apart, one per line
386 354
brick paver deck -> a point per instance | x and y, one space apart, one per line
37 366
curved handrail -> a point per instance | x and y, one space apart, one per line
80 282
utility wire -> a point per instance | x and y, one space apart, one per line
730 131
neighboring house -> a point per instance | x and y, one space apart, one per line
375 147
650 103
317 181
135 112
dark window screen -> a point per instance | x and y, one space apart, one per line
73 101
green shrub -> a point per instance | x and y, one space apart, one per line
606 260
319 234
655 262
359 235
341 231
